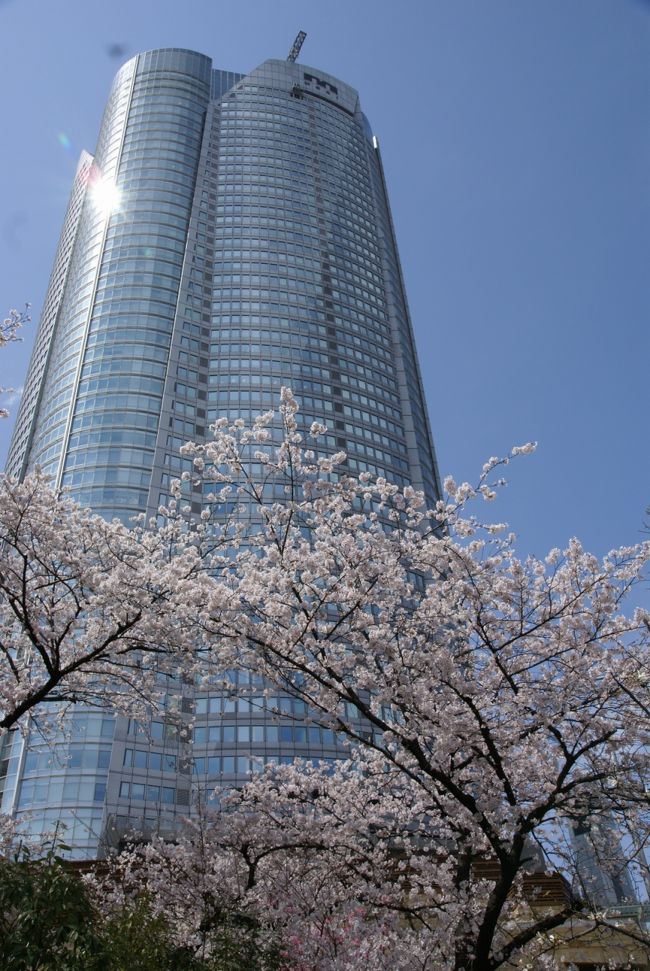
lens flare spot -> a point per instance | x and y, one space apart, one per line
64 141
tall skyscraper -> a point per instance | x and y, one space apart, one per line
232 234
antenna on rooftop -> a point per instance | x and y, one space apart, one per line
297 44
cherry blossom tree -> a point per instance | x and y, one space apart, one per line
490 703
12 324
91 612
8 335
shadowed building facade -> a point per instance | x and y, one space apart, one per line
231 235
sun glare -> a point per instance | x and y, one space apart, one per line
105 195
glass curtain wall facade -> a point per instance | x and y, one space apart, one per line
251 247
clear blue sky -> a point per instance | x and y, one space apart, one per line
516 144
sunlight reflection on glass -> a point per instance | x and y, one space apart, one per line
104 193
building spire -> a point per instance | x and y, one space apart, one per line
297 44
